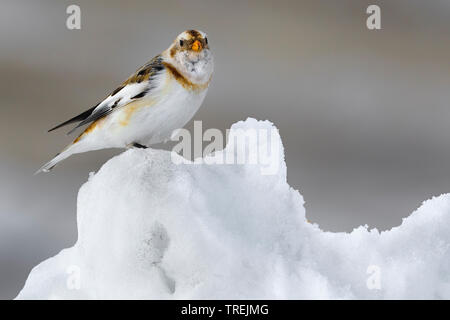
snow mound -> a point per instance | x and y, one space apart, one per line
149 228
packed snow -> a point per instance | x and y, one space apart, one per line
150 227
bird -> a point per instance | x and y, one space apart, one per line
151 105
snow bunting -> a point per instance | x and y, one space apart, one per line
157 99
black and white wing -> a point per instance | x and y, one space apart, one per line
137 86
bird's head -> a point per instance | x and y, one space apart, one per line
191 55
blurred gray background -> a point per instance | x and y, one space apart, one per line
363 114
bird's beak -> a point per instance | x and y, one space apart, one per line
197 46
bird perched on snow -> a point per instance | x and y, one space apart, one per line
157 99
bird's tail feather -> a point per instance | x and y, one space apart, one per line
67 152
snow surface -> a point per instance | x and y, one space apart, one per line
149 228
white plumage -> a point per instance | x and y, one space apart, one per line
157 99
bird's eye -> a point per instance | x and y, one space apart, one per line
181 43
206 40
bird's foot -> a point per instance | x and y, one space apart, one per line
138 145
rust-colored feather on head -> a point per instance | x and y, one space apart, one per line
191 56
189 40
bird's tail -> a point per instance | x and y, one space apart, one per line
67 152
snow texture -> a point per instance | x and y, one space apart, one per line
152 229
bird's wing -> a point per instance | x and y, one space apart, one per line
137 86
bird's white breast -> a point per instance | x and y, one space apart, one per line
154 118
